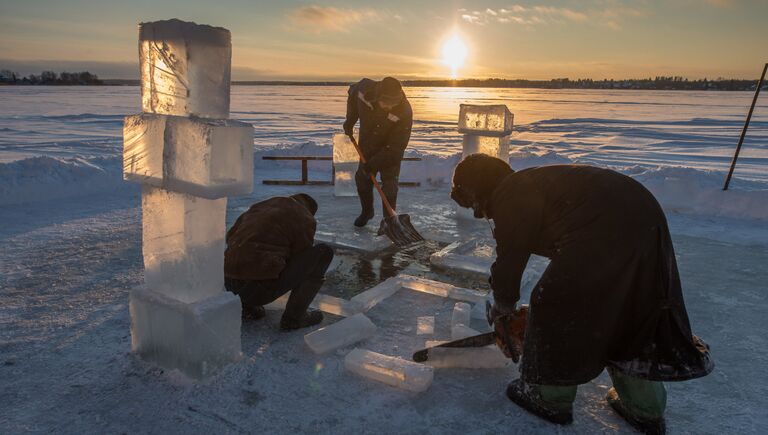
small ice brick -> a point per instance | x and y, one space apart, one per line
389 370
441 289
340 334
425 325
367 299
461 314
345 163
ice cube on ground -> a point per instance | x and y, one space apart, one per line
487 357
203 157
441 289
494 146
367 299
462 331
185 68
183 244
196 338
490 120
345 162
461 314
390 370
340 334
425 325
475 256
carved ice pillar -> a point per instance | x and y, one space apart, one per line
188 157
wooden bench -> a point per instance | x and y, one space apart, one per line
305 171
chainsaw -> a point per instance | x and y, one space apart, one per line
508 334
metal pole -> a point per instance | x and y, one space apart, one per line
744 130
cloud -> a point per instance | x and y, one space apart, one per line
330 19
609 15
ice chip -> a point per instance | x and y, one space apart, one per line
196 338
390 370
494 146
203 157
185 68
183 244
340 334
345 162
488 120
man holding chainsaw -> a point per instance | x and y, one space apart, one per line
610 298
386 119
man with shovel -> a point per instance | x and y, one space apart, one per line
386 120
610 298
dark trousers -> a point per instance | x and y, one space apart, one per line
389 180
303 276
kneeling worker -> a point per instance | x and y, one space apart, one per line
270 251
610 298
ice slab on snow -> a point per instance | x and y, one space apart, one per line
340 334
441 289
203 157
494 146
185 68
183 244
489 120
325 303
359 239
196 338
390 370
367 299
345 162
488 357
474 256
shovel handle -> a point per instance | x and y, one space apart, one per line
390 211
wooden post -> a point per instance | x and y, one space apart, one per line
744 130
304 172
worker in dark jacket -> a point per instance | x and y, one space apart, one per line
610 297
385 127
270 251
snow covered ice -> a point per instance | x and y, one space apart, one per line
390 370
345 162
486 120
211 158
342 333
185 69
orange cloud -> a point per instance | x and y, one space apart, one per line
330 19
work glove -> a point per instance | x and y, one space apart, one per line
509 328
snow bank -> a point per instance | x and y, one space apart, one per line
46 178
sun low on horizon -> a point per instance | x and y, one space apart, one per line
454 54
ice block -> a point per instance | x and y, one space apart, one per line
196 338
359 239
202 157
425 325
488 120
390 370
185 68
441 289
461 314
345 162
183 244
340 334
367 299
325 303
488 357
494 146
474 256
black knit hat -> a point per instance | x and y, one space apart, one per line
307 201
478 175
390 91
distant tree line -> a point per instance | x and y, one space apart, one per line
656 83
8 77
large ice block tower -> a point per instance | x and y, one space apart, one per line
345 161
486 130
188 157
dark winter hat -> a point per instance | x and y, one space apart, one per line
307 201
390 91
476 177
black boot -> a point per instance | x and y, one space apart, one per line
366 203
253 312
309 318
644 425
518 392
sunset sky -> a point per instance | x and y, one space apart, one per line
344 40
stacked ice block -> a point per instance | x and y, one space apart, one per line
345 161
486 130
188 157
